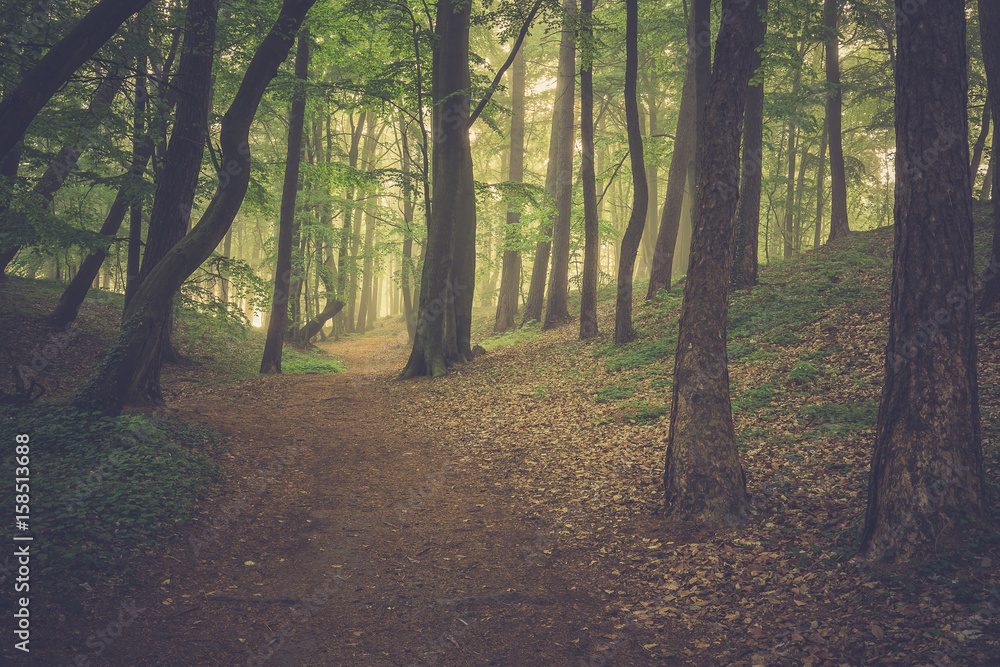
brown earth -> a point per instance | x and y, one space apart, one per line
346 533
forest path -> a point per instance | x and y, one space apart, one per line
367 540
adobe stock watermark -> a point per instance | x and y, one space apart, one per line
101 640
300 612
43 356
232 511
957 299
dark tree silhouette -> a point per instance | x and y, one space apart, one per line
927 467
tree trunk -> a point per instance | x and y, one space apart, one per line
117 378
510 276
989 24
37 86
347 266
820 182
178 179
744 271
704 479
142 149
557 307
834 102
649 233
271 360
452 222
624 332
977 151
588 178
660 274
789 237
543 248
406 268
927 468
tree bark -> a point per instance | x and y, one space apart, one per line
989 24
704 479
452 224
37 86
834 103
557 307
624 332
820 183
660 275
271 360
927 467
117 378
543 248
588 178
977 150
510 275
744 271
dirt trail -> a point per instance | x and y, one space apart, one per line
366 541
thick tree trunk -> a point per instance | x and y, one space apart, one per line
704 479
117 378
834 102
453 216
744 271
557 307
660 274
989 24
20 107
178 179
624 332
510 275
588 178
927 467
271 360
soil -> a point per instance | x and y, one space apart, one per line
349 532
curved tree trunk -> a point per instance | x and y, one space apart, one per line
984 132
117 378
927 467
557 307
624 332
278 324
703 478
592 241
510 275
834 102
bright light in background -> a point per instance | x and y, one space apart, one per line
258 319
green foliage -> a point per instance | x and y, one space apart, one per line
841 418
638 354
803 371
613 393
103 488
755 399
295 362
